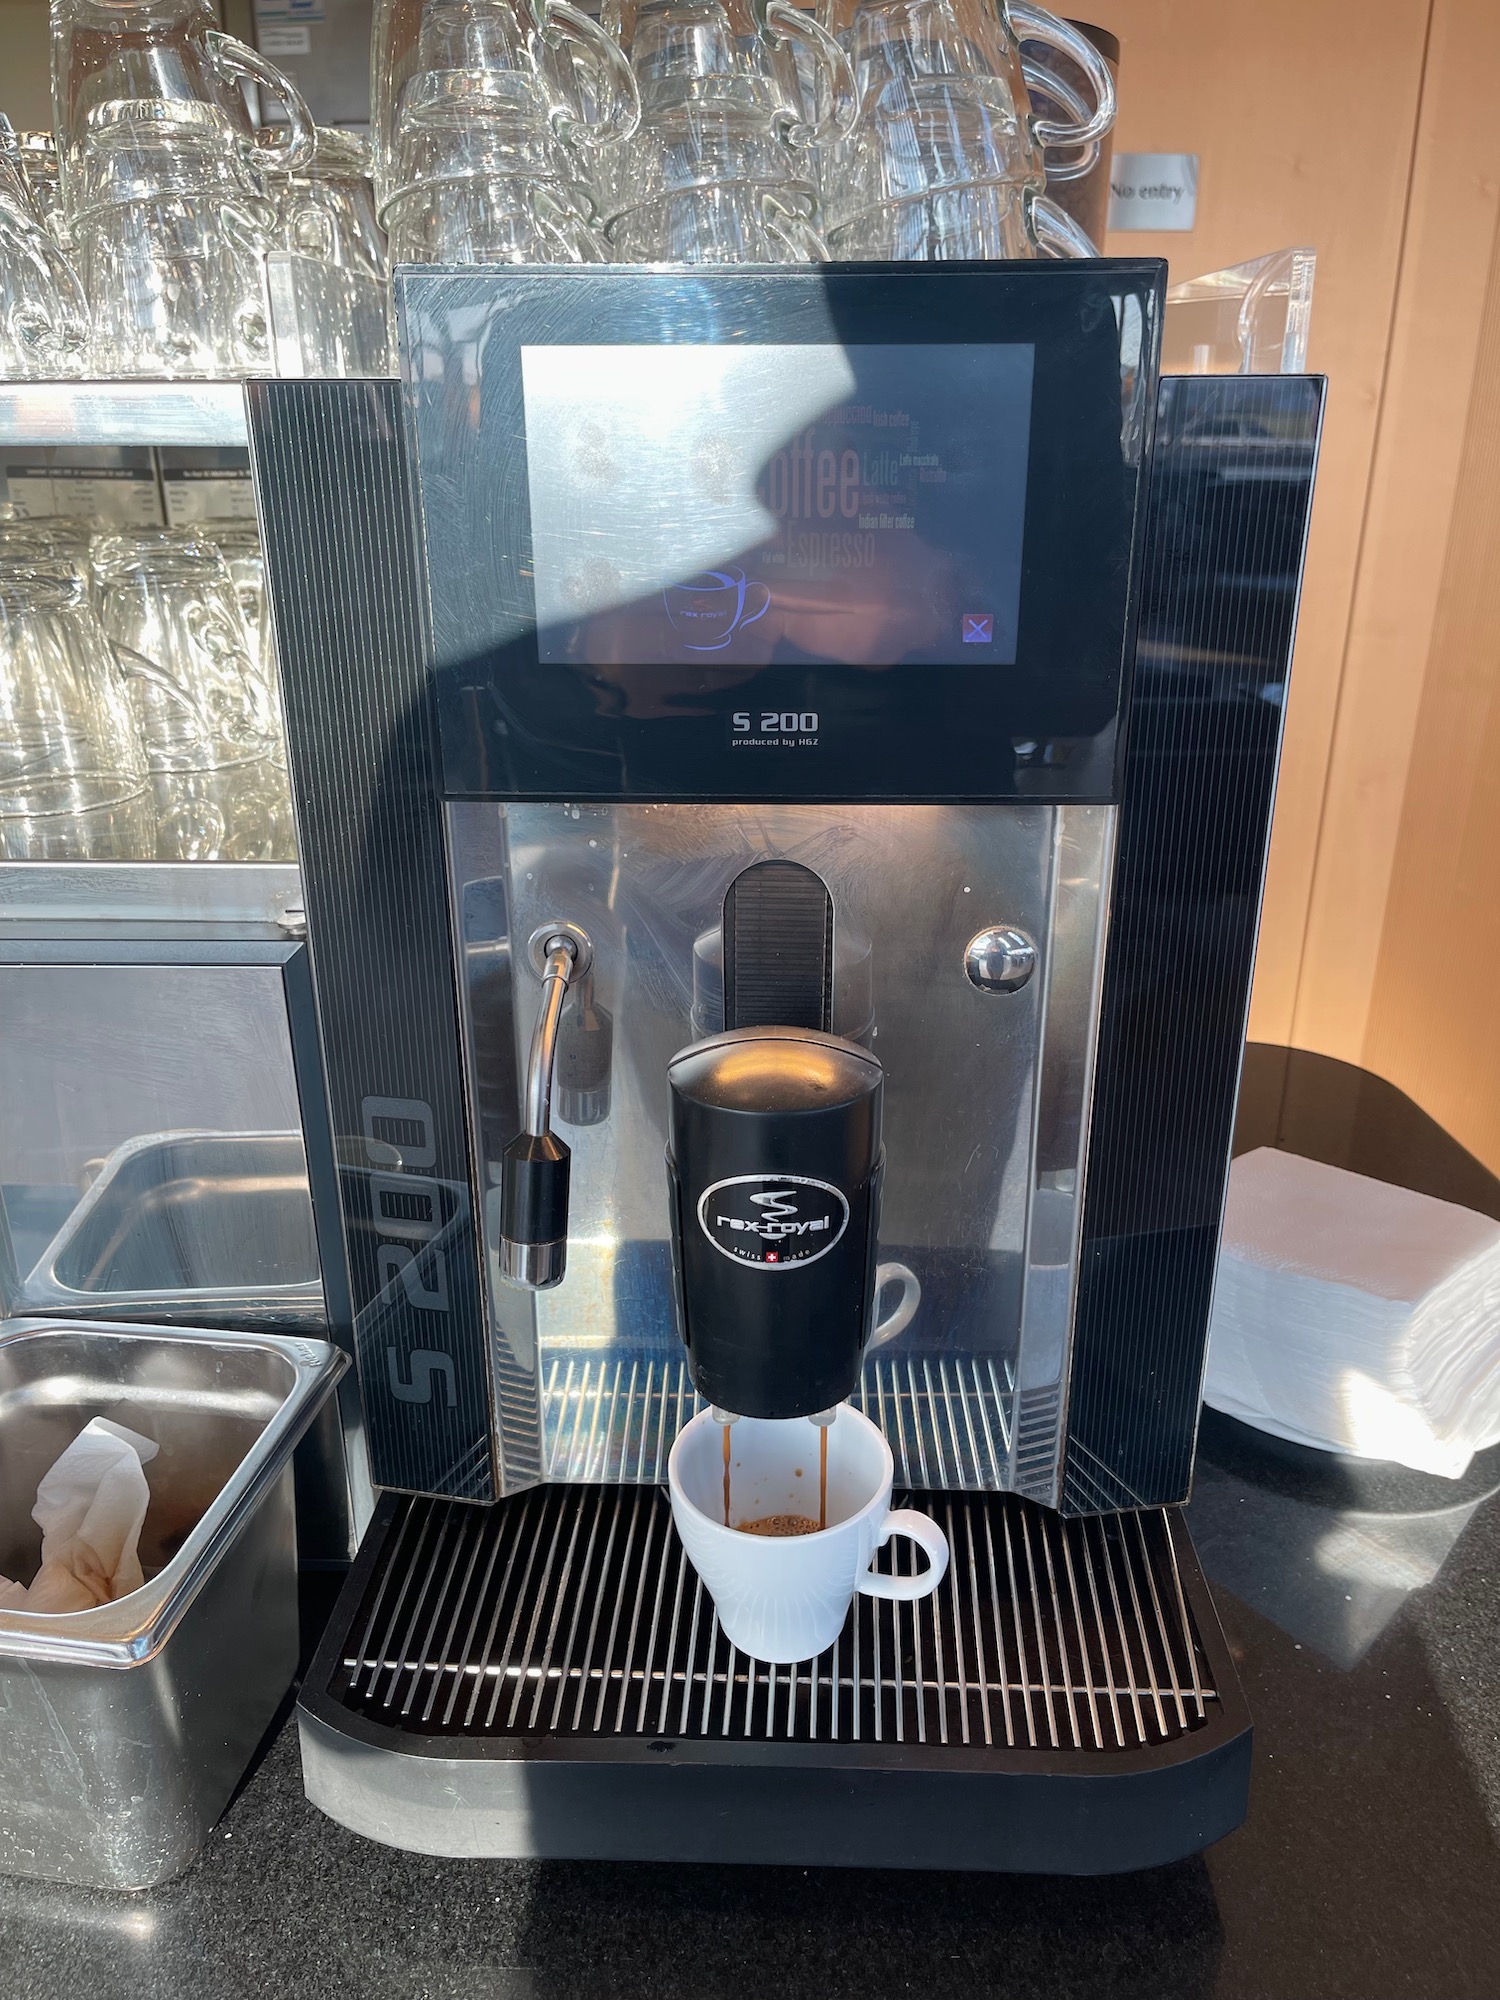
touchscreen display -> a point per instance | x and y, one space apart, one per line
743 506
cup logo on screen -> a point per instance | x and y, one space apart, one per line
773 1222
708 609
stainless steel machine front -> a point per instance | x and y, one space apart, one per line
986 1101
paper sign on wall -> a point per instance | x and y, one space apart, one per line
290 38
1153 190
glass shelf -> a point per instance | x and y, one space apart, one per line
123 413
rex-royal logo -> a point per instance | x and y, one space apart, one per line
772 1222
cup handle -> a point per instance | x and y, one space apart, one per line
797 237
1054 231
194 832
39 245
1068 163
778 20
558 222
614 80
30 321
905 1312
135 666
926 1533
236 62
1030 23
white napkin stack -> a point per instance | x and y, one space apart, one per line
90 1508
1356 1316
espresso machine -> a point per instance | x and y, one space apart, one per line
784 762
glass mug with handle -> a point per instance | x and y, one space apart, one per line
163 183
733 95
168 603
73 778
44 318
484 110
36 155
238 542
327 275
943 107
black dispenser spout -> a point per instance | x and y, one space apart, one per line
775 1164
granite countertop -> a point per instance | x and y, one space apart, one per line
1364 1615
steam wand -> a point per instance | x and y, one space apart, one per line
534 1169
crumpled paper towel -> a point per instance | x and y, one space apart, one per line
90 1508
1356 1316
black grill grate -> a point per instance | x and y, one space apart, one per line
615 1417
572 1610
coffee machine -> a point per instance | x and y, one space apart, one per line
784 762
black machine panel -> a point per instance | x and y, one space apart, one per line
336 516
1231 493
858 532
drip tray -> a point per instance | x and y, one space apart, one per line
547 1677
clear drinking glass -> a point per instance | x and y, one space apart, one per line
168 602
943 106
480 104
721 169
73 781
162 179
44 320
330 297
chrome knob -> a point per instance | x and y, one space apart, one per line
1000 960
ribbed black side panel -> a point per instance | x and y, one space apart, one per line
1230 494
341 556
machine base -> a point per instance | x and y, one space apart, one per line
546 1678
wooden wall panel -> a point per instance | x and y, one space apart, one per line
1434 1004
1304 115
1409 545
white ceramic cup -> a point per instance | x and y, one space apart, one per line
785 1598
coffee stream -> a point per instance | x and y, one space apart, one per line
785 1524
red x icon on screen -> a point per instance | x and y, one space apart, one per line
979 630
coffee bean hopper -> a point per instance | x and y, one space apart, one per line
784 761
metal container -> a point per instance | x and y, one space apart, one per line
197 1226
124 1730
